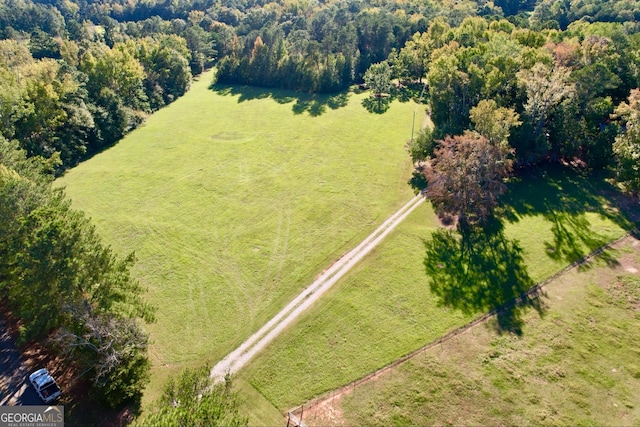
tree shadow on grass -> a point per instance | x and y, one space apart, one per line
314 104
480 270
563 196
412 91
377 104
405 92
574 239
76 413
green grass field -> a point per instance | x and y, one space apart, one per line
577 365
387 308
234 199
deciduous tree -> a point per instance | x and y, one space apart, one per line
465 177
545 87
493 122
378 78
627 145
193 400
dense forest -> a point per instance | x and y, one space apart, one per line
507 83
77 76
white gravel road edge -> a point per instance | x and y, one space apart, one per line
238 358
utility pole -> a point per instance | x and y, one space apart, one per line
413 125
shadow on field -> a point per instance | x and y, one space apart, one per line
405 92
563 195
377 104
480 270
314 104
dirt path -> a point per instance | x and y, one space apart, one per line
235 360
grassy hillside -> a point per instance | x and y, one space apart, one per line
577 365
234 199
388 307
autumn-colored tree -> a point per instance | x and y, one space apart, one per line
466 176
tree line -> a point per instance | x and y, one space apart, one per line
77 98
64 285
63 54
325 53
74 87
534 95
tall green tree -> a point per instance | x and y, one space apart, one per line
627 144
51 114
201 48
168 75
493 122
116 69
192 399
412 61
378 78
546 87
448 91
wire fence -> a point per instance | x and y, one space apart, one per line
297 412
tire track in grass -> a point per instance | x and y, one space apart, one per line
238 358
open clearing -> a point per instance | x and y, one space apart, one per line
577 365
238 358
385 308
234 199
233 210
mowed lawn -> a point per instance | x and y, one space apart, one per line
386 307
577 365
234 199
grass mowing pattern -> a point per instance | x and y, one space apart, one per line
577 365
385 309
234 199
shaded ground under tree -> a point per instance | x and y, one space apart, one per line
314 104
477 269
564 195
480 270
